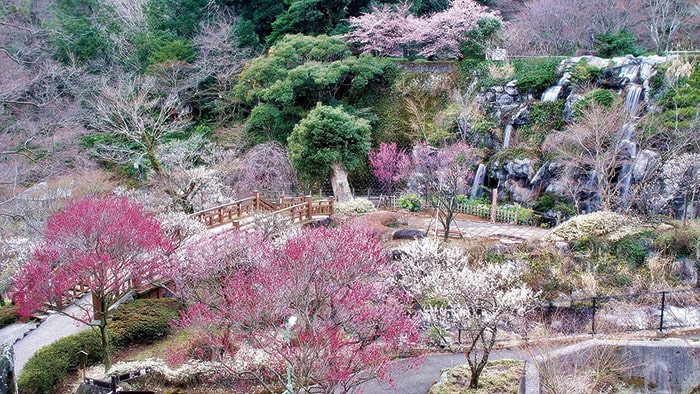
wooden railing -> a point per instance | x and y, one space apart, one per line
299 209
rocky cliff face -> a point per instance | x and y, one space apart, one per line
524 174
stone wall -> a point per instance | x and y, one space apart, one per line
668 366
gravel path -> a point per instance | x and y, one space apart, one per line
30 337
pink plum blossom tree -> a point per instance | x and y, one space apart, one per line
334 284
445 173
390 165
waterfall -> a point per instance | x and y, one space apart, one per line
628 145
478 182
631 72
551 94
634 92
506 135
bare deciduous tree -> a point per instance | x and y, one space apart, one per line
593 148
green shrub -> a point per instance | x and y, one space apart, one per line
47 368
412 202
536 74
8 315
631 248
547 115
142 321
617 44
582 73
601 97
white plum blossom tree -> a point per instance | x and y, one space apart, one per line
458 292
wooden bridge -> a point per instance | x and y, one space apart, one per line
300 209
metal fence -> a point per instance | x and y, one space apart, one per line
662 310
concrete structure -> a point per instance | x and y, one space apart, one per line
663 366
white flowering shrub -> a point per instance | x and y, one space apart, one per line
353 207
455 292
191 372
601 223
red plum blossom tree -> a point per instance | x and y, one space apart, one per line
110 246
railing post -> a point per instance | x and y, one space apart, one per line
663 305
330 203
309 207
593 319
494 202
256 194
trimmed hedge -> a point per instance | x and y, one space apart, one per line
47 368
142 321
8 315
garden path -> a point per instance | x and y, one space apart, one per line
30 337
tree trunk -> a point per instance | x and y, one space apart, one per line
339 181
103 335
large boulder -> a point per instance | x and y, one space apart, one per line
520 168
646 163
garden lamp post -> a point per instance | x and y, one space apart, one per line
288 334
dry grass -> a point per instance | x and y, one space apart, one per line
499 377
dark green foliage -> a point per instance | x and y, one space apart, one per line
8 315
325 136
411 202
426 7
246 35
47 368
300 71
81 30
142 321
547 115
633 249
599 97
267 122
309 17
260 14
180 18
153 48
536 74
474 44
617 44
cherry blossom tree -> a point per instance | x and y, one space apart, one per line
384 30
334 283
391 31
458 292
109 246
445 173
390 165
